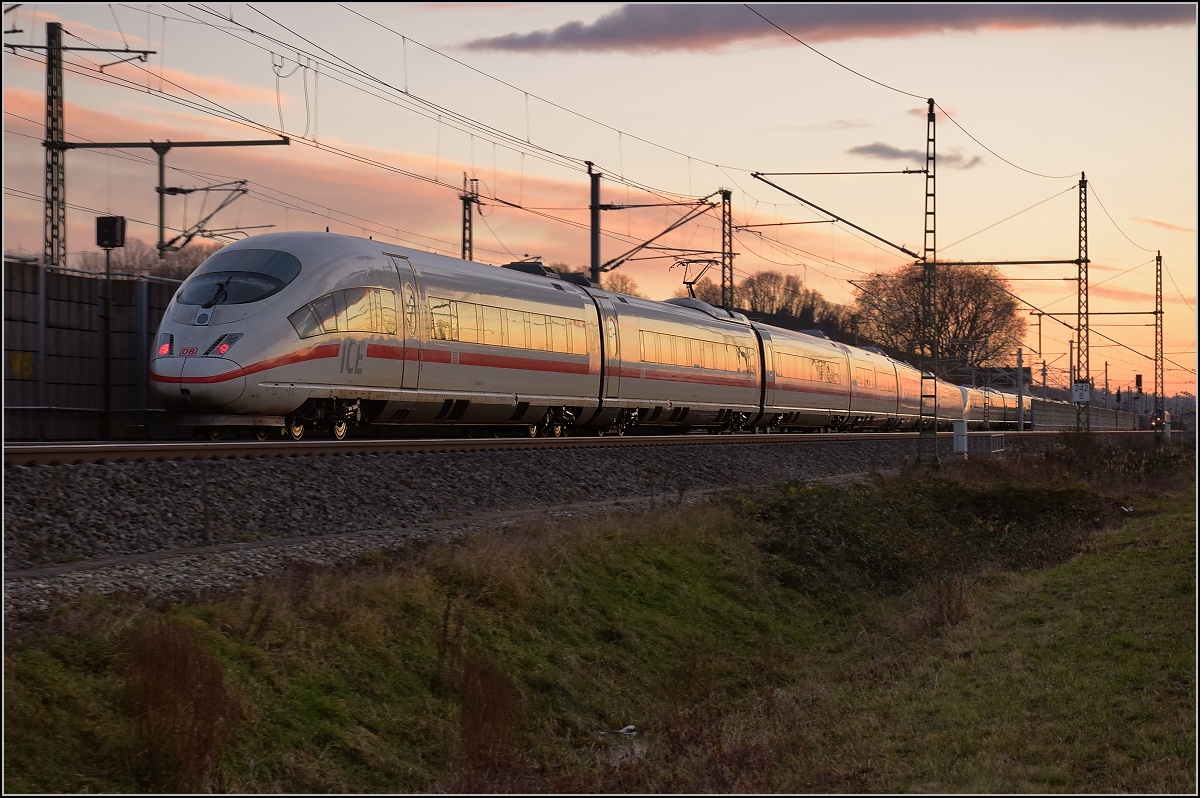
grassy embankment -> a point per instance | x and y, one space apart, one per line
989 627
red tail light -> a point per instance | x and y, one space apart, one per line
165 343
220 346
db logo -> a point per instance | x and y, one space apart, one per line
187 351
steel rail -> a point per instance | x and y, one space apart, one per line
26 454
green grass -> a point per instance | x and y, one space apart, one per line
981 628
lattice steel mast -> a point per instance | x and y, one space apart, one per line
469 197
1159 398
928 341
55 253
1082 386
727 249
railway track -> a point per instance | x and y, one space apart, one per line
190 523
117 452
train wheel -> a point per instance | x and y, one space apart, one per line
213 433
261 433
295 428
340 428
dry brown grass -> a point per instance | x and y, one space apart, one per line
181 707
488 759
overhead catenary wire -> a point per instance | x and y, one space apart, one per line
517 205
1092 188
405 39
359 72
375 226
1007 218
235 117
906 94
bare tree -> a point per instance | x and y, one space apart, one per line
621 284
978 321
138 257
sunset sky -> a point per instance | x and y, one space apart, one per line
388 105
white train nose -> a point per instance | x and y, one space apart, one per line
198 381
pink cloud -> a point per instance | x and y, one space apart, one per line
212 88
149 73
1174 228
326 190
659 27
1143 299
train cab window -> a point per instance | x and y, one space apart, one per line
239 276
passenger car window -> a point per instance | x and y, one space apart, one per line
514 329
492 323
445 323
360 316
410 312
558 338
387 311
537 332
361 310
306 323
579 338
468 324
326 312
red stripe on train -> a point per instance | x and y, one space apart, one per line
313 353
507 362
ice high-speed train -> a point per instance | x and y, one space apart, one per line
314 333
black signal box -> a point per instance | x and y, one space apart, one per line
110 232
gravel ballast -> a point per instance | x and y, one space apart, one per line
342 506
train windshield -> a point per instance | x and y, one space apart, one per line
238 276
